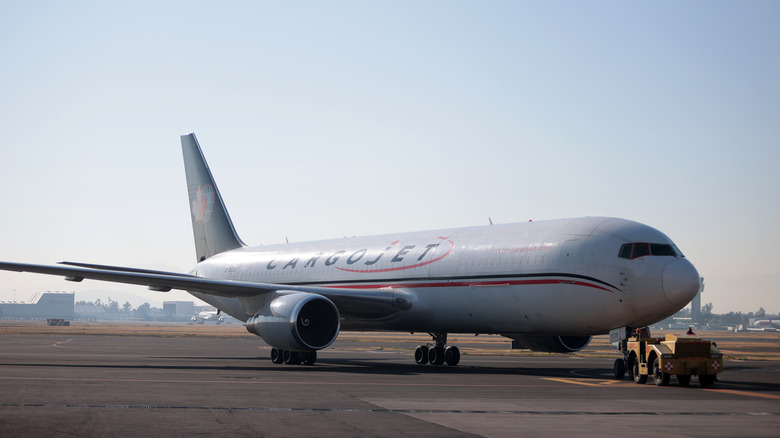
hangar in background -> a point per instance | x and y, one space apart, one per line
179 308
50 305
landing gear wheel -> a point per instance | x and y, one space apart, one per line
436 355
309 357
706 381
293 357
421 354
660 378
619 369
638 378
277 356
452 355
438 352
683 380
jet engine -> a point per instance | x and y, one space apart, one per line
297 321
552 344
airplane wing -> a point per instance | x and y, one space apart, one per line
362 303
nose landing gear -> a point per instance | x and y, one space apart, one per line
438 353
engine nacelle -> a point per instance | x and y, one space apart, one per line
299 321
552 344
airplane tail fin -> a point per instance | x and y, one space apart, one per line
211 224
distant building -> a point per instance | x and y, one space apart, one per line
50 305
696 303
176 308
91 312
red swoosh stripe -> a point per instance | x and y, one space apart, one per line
474 283
401 268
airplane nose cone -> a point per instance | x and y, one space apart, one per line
681 282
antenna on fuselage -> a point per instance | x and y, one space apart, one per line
490 220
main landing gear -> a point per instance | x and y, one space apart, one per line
293 357
437 354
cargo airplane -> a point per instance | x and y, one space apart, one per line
767 324
208 315
549 285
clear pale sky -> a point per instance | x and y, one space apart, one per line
331 119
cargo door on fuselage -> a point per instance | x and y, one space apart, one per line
570 256
497 305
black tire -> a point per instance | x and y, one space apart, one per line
277 356
309 357
452 355
293 357
706 381
683 380
638 378
436 355
619 369
660 378
421 355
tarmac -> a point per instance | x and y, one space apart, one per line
64 385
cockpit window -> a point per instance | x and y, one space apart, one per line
641 249
662 250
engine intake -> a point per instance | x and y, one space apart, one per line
298 321
552 344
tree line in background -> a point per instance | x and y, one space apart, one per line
731 318
707 317
113 308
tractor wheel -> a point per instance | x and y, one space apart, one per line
638 378
659 377
619 369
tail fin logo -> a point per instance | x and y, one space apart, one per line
203 204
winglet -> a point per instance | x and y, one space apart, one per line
211 224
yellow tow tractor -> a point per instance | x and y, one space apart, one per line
682 356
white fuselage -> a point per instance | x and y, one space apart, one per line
560 277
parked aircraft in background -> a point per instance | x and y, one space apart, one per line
767 323
208 315
550 285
